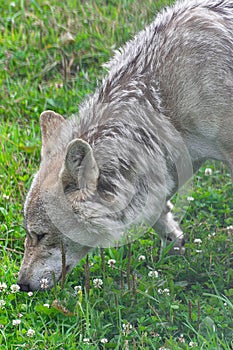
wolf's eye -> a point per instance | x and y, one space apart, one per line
40 237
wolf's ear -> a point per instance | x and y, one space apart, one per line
49 122
80 166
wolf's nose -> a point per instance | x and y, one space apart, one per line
24 287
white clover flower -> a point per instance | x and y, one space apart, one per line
208 172
20 315
16 322
141 258
31 332
199 251
97 282
46 305
3 286
197 241
2 304
211 235
44 283
155 335
111 262
181 339
104 341
15 288
30 294
192 344
127 327
77 288
190 199
166 291
86 340
153 274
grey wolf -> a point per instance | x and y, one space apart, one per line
164 107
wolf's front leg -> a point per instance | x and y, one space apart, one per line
169 231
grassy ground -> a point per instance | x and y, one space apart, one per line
189 303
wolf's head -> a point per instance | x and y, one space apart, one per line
92 188
66 179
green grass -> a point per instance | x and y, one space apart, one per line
39 71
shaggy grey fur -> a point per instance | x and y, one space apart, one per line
164 107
